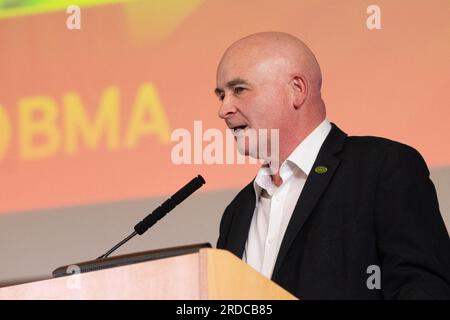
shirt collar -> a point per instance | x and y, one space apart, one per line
302 158
305 154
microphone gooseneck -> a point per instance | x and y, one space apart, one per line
161 211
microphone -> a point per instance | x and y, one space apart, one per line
161 211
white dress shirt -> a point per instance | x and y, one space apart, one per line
274 205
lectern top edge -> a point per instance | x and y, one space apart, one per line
127 259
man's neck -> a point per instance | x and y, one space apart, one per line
289 147
276 179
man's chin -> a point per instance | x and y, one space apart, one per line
243 151
246 151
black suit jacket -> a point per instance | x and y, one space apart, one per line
374 206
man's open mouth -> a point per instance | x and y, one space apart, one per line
240 127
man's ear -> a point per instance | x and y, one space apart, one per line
299 90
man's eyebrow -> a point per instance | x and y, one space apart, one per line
230 84
236 82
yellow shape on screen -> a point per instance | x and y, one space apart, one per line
17 8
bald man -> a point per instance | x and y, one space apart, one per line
340 217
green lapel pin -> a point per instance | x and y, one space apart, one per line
321 169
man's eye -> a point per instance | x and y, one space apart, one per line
238 90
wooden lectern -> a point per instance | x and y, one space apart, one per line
206 274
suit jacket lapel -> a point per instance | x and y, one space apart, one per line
242 219
314 186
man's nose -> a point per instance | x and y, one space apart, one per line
227 108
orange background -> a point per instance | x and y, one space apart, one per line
392 82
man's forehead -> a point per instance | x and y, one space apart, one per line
230 73
250 71
232 68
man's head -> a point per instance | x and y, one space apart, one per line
271 80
